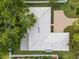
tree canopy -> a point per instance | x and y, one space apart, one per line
53 3
74 35
15 20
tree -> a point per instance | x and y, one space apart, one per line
76 25
74 35
71 30
15 20
53 3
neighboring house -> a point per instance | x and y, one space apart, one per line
40 36
61 1
43 1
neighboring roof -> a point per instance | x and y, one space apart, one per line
54 56
44 1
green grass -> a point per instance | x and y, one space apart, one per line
4 55
69 55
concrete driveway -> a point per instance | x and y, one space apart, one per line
61 21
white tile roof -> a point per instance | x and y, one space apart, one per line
44 39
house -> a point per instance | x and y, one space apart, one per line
40 36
